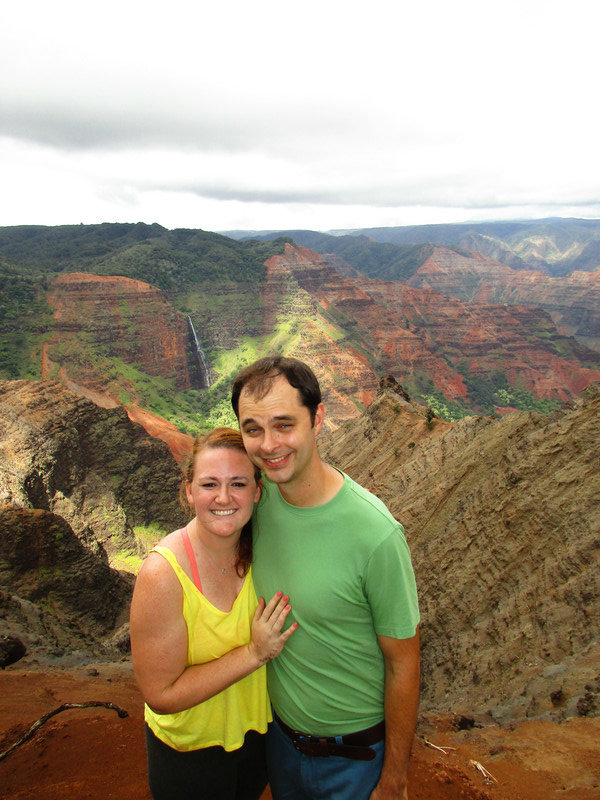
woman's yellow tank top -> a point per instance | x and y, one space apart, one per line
225 718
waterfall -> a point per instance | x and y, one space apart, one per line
200 357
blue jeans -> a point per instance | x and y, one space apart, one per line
296 776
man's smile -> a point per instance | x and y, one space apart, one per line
274 461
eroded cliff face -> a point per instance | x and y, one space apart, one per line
95 468
573 301
111 333
57 595
98 319
114 317
503 521
83 491
414 332
343 365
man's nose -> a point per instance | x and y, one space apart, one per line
269 442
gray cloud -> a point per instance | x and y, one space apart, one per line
122 110
72 125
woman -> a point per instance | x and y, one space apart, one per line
200 639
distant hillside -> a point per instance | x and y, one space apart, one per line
169 259
572 301
160 321
556 246
503 521
550 264
553 246
374 259
450 354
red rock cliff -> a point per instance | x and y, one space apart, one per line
102 317
410 330
116 316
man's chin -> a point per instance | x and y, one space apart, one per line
275 475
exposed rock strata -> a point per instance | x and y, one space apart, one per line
114 317
346 373
102 473
573 301
98 319
56 595
503 521
413 332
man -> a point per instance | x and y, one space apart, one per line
343 560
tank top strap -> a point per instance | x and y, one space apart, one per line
192 559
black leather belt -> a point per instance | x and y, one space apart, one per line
354 745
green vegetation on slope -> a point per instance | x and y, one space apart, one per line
485 396
188 265
170 260
25 321
383 260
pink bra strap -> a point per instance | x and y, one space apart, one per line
192 559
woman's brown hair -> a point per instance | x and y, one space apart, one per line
227 439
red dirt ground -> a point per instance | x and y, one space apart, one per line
91 754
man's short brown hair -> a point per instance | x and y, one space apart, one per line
259 376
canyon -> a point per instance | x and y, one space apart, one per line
572 301
502 519
423 336
144 318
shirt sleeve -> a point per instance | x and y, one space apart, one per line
390 588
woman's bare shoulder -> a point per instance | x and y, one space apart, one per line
155 566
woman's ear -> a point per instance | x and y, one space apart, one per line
259 488
189 495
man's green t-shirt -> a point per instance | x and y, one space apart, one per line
346 568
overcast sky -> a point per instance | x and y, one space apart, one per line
272 115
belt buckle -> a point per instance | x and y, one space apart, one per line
312 746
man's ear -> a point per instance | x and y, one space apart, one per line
319 418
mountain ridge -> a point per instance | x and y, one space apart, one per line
509 602
139 345
555 246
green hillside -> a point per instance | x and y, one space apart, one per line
220 284
384 260
556 246
168 259
214 280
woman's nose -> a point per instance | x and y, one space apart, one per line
223 495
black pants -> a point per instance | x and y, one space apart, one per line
211 773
